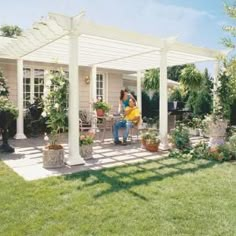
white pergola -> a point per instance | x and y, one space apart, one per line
78 42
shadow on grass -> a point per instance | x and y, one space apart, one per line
127 177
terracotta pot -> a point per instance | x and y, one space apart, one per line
100 112
152 147
53 158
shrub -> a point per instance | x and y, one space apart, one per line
180 137
55 105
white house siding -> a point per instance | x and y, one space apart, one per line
9 70
113 81
84 90
115 84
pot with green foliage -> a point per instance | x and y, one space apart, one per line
150 140
8 112
195 126
55 111
101 107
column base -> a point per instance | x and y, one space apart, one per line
164 146
20 136
73 161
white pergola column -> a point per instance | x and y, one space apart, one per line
139 90
20 120
93 89
163 108
215 83
74 149
94 83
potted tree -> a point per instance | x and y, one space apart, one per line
101 107
55 111
8 112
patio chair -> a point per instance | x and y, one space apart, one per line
86 120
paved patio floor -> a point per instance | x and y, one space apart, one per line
27 159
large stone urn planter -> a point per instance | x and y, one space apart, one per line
86 151
5 120
217 132
53 158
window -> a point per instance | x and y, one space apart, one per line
26 87
33 85
100 86
38 83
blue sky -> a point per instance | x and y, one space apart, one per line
194 21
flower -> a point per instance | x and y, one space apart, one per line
85 139
44 114
56 105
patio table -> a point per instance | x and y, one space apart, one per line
105 123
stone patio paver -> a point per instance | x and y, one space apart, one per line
27 159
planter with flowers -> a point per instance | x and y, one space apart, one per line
55 111
195 125
101 107
86 145
150 140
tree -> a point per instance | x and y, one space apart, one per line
3 87
231 12
174 72
203 103
146 104
227 91
10 31
151 77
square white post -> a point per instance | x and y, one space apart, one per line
139 90
163 108
20 119
74 149
93 84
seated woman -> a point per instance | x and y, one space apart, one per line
124 100
131 118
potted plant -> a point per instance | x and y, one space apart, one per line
8 112
55 112
150 140
86 145
195 125
101 107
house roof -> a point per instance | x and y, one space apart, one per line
102 46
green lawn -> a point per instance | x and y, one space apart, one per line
166 197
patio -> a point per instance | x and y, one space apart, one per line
77 41
27 159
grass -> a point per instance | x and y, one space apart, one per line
166 197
